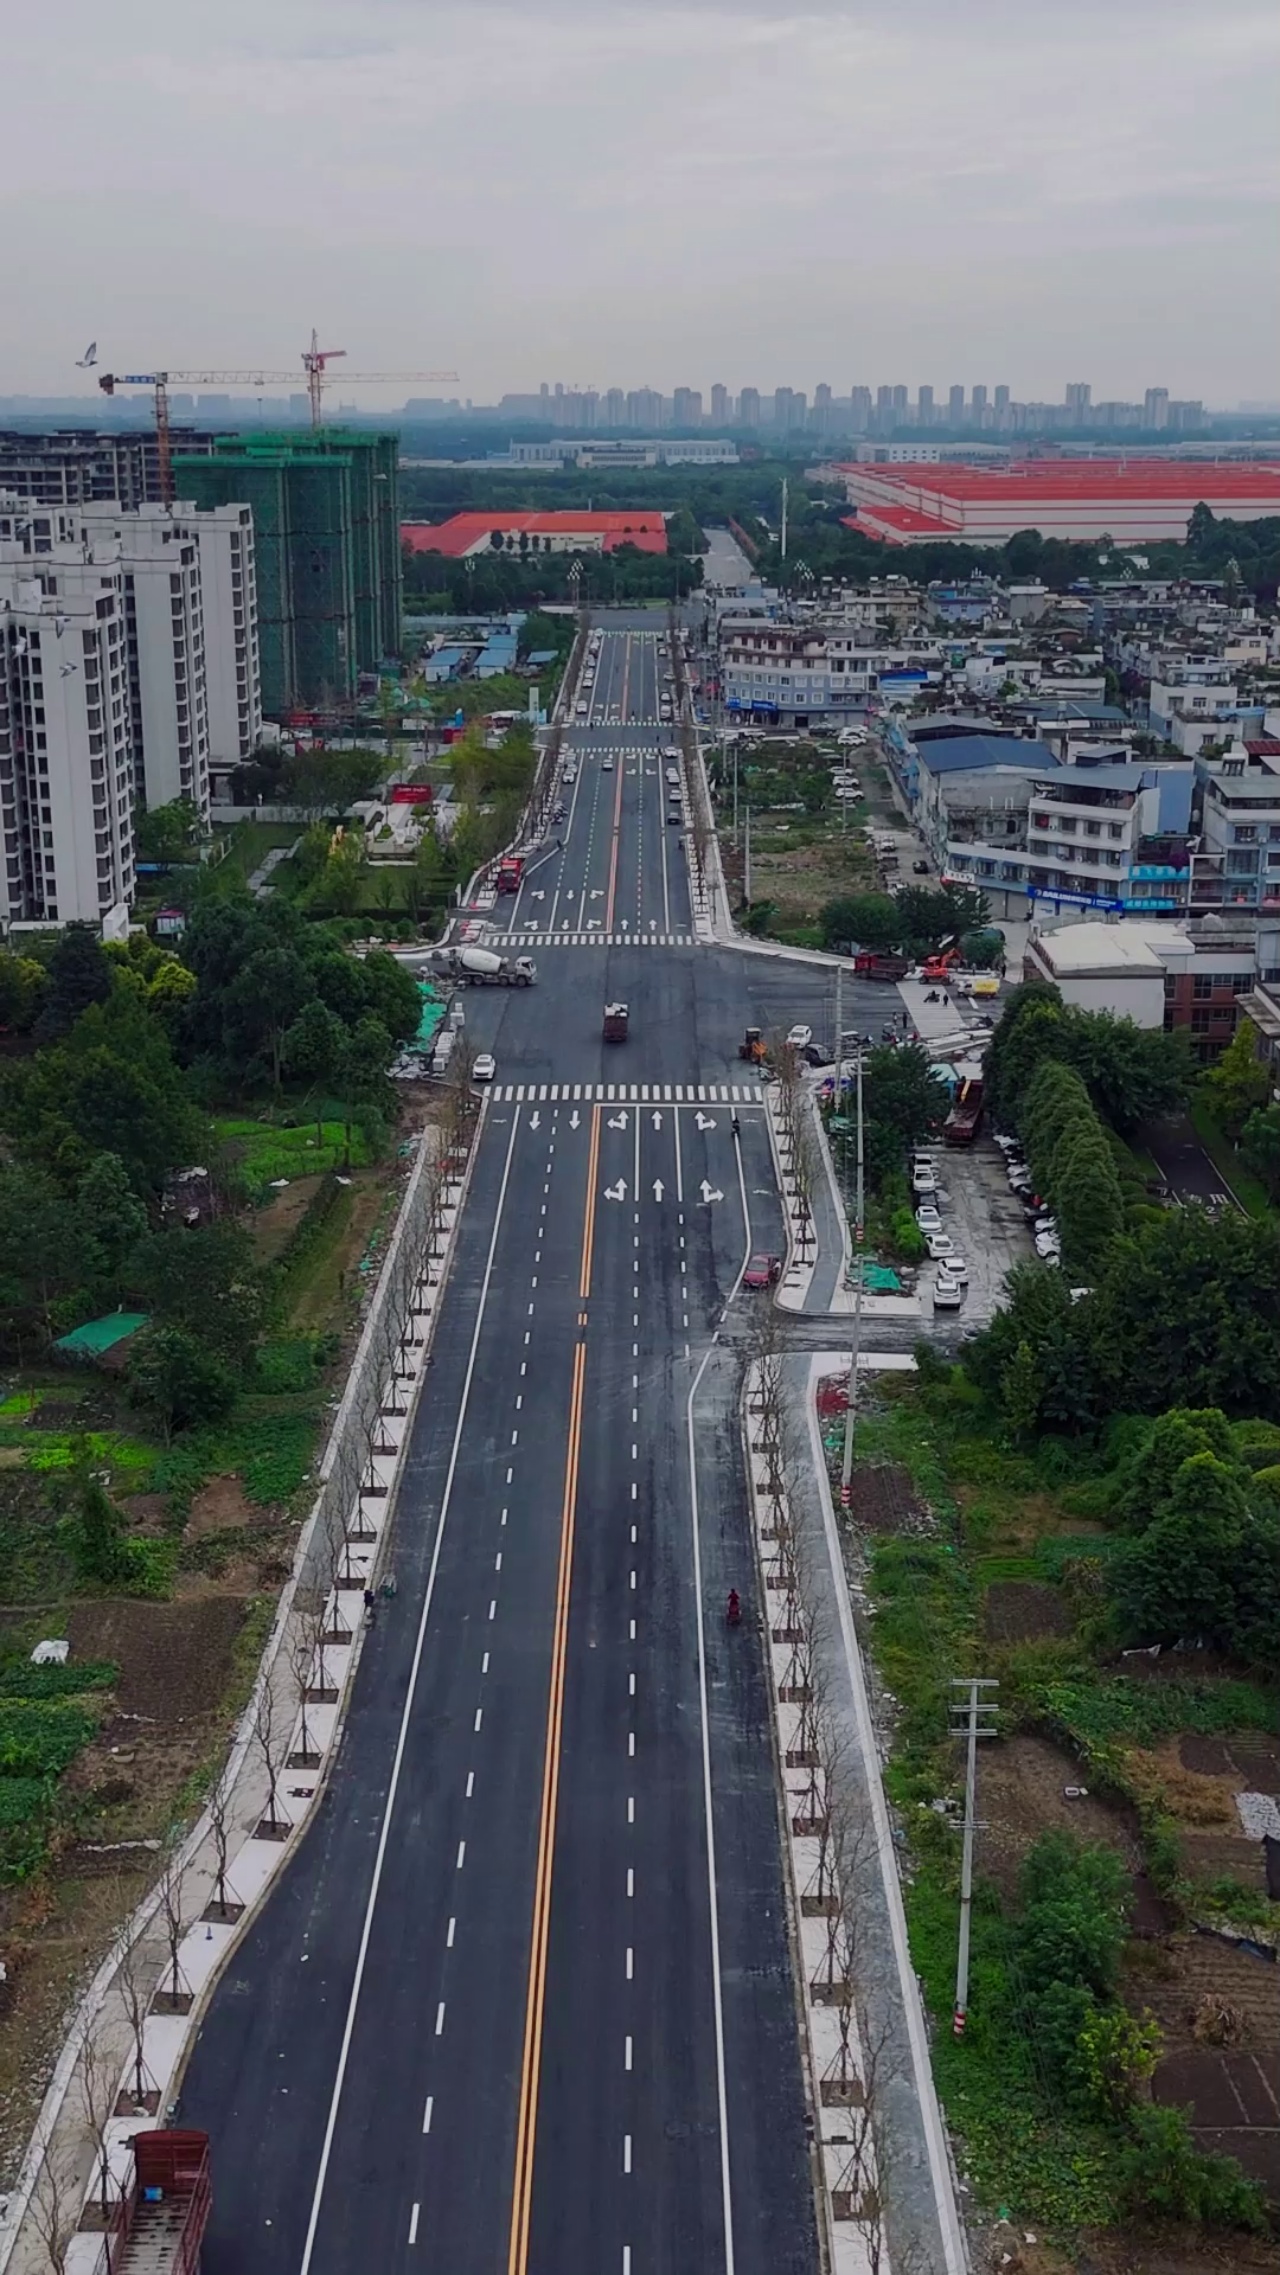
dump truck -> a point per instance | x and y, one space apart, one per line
875 964
615 1022
480 967
510 872
160 2220
961 1125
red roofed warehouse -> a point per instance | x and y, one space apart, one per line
568 532
1074 498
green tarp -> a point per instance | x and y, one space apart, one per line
99 1335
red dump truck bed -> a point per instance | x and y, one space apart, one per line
510 871
961 1125
874 966
160 2224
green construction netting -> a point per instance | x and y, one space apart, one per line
431 1018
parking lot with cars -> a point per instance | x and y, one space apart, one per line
975 1226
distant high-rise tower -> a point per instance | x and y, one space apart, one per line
955 407
1077 400
749 407
924 407
613 410
859 409
1155 407
721 412
783 399
978 413
899 400
686 407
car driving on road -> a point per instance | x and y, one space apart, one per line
485 1067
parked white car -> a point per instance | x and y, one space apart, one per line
799 1037
928 1219
940 1245
923 1181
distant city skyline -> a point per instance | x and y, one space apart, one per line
651 190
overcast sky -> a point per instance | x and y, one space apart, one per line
610 193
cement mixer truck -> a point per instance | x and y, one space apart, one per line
480 967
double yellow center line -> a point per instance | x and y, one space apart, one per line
522 2199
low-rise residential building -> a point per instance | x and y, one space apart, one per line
1189 978
1237 861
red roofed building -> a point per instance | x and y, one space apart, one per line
527 533
1125 498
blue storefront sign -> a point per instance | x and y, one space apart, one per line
1072 900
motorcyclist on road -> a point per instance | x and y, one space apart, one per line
734 1612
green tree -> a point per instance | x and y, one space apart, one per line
98 1537
902 1090
1184 1575
1021 1391
1164 2176
1186 1315
165 833
1238 1083
207 1283
263 1001
111 1086
1173 1439
1038 1311
44 1257
314 1049
1074 1915
178 1379
1260 1147
1087 1200
112 1219
390 994
23 982
79 974
863 920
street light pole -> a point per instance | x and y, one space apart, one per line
851 1402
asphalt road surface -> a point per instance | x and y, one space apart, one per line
523 1999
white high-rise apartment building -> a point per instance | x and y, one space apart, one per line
66 761
198 682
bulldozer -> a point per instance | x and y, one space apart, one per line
751 1048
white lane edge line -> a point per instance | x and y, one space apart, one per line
413 2225
402 1738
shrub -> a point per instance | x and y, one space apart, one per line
1164 2176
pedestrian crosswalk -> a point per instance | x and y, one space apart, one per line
627 1094
595 940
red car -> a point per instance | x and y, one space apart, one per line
762 1272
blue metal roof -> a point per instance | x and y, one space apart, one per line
958 754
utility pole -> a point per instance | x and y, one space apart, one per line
784 517
851 1402
746 863
735 789
839 1028
972 1717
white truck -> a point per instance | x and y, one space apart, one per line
479 967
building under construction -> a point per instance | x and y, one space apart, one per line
327 537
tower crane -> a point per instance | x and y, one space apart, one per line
315 361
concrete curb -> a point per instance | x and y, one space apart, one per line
954 2243
254 1863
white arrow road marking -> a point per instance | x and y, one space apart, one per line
705 1121
573 1119
538 896
658 1188
569 893
657 1121
617 1122
710 1192
535 1120
597 893
618 1192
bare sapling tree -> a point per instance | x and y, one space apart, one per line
55 2203
306 1665
135 1977
173 1994
336 1627
221 1909
804 1171
98 2085
270 1739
